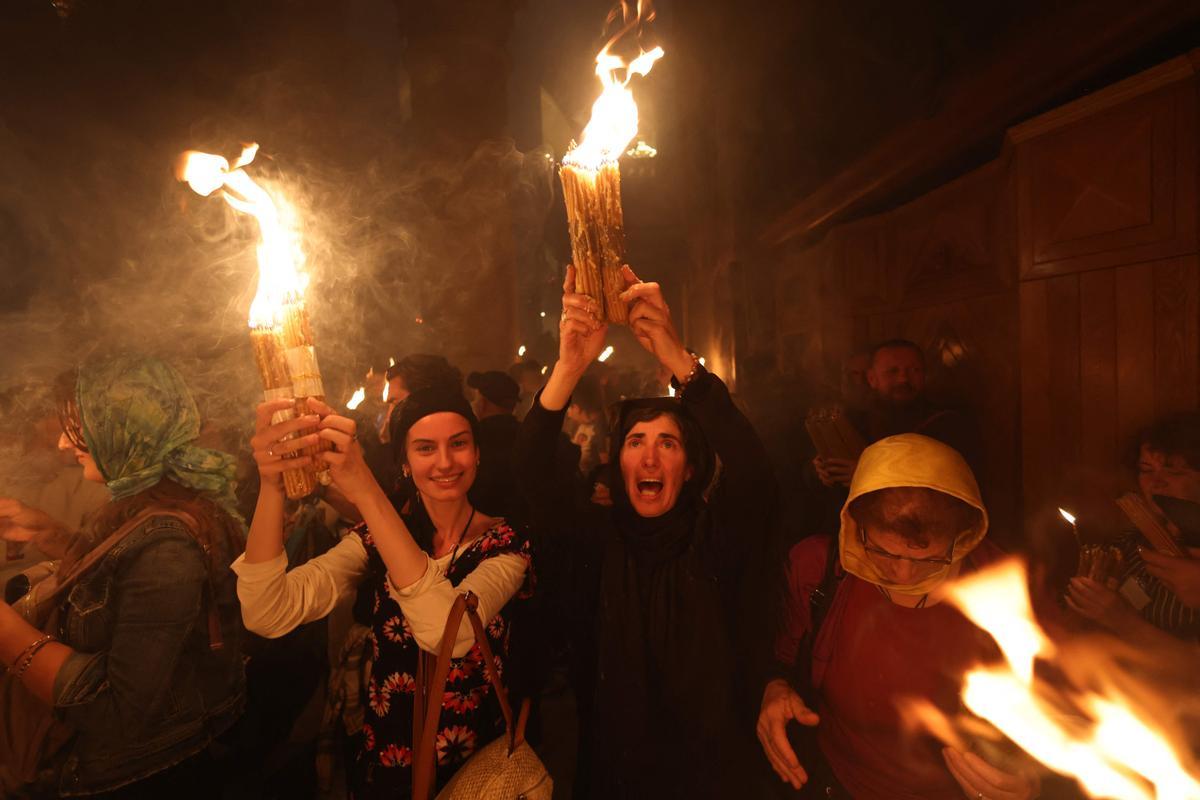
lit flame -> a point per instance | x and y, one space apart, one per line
670 391
1067 515
281 279
608 351
614 121
521 351
544 369
387 387
1091 730
391 362
356 399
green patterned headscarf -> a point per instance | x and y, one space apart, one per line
138 421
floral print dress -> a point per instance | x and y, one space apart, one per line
470 714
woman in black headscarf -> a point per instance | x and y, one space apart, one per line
658 576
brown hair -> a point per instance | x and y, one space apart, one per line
920 515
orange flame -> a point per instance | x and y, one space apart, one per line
1092 731
281 279
614 121
357 398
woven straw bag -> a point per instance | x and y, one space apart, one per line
505 769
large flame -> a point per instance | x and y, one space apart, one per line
1090 730
614 122
281 279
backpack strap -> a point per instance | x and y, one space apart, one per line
821 597
820 600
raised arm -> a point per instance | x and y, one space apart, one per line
275 601
581 338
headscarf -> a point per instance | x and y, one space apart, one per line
424 402
910 460
138 420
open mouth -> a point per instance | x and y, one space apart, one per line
649 488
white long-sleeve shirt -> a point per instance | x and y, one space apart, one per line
275 601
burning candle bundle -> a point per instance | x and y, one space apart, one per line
279 325
1097 711
591 177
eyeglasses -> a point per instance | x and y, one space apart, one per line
875 550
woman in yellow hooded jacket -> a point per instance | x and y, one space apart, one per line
912 522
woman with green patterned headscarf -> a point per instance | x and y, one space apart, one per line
132 663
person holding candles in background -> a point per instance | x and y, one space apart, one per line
1156 588
411 568
139 665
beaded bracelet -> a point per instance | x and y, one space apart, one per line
25 659
683 384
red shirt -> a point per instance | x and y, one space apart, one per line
869 653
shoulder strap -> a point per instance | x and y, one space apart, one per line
81 567
822 596
430 690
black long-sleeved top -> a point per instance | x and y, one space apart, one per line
678 611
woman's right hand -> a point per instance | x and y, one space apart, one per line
270 444
580 339
581 332
21 523
780 705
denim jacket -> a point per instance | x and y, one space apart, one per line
144 690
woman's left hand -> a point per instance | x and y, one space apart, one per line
980 780
1097 602
351 475
650 320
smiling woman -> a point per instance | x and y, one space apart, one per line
411 562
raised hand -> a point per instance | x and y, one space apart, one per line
781 705
270 443
580 339
580 331
650 320
351 475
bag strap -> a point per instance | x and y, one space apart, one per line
65 583
83 565
427 709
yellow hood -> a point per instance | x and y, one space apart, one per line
909 460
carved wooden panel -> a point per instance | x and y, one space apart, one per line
955 242
1116 187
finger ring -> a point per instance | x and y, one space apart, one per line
271 451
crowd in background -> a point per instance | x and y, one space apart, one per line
174 625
